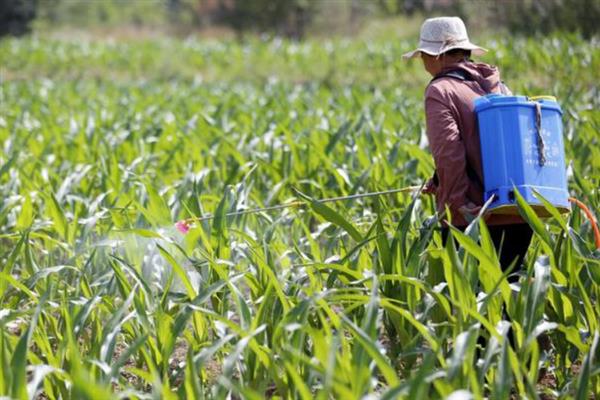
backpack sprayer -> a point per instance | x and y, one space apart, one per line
522 149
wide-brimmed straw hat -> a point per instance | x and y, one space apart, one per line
439 35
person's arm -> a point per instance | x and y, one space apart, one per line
448 152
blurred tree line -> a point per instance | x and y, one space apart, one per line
294 18
16 15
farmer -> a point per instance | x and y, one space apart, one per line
445 49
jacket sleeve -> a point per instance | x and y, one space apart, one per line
447 148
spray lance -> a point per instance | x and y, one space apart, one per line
184 225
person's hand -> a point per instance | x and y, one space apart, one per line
429 187
469 209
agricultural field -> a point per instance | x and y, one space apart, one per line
106 144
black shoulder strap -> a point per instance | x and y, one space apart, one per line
459 74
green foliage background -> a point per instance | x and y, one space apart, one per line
105 144
298 18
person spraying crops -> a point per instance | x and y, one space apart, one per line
457 184
461 92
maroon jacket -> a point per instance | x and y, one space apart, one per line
454 138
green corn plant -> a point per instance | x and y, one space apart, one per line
105 145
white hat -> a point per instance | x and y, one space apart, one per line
439 35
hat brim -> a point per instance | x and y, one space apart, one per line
475 50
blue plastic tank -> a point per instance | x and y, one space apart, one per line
522 146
